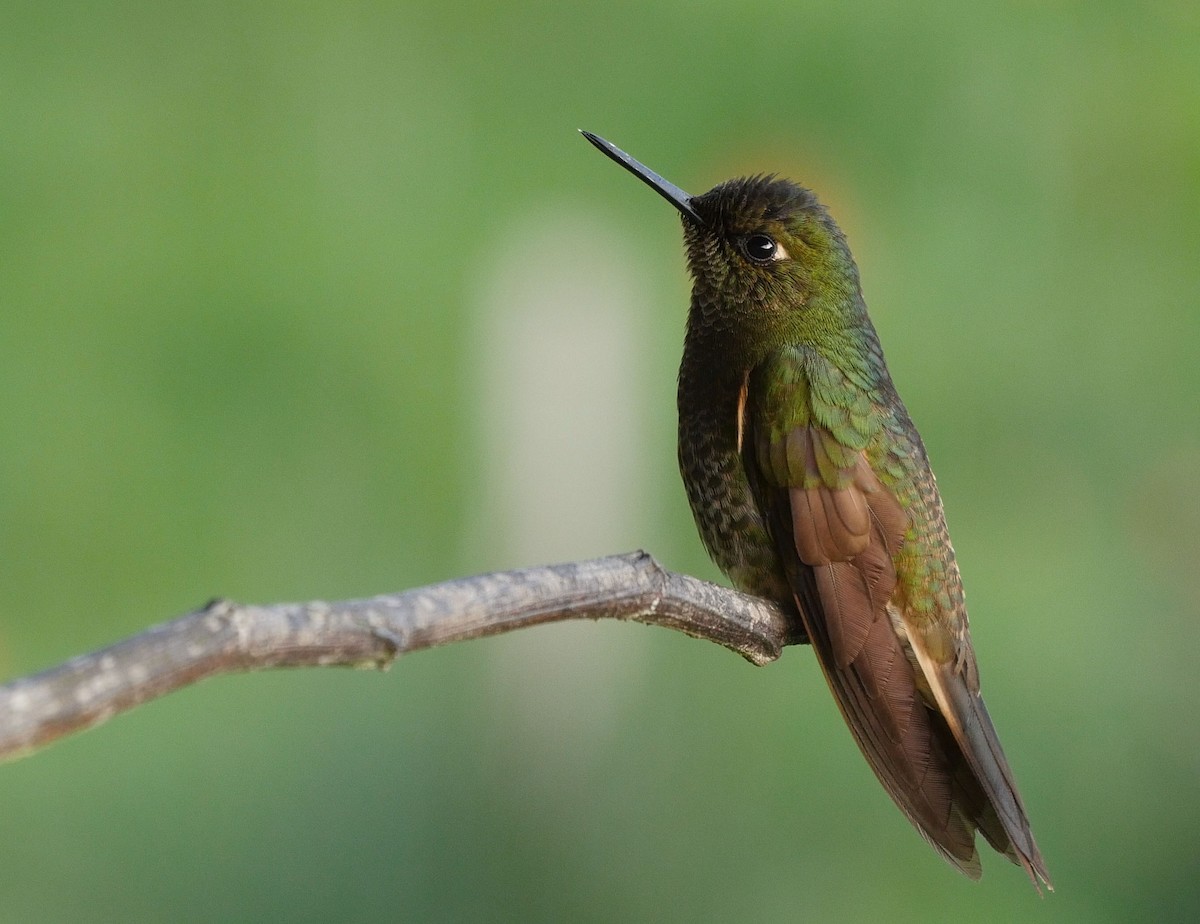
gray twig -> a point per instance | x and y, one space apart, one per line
224 637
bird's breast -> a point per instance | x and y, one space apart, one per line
712 407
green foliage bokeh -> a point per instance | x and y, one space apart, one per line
245 254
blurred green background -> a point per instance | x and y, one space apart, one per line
328 299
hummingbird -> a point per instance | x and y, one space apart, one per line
810 486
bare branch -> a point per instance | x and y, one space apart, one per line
225 637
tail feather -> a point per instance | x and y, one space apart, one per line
968 719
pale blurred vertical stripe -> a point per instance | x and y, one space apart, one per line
561 424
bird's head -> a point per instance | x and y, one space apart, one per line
768 263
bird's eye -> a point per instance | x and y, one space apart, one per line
761 248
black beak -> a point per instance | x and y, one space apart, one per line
669 191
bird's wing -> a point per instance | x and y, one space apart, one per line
913 707
837 544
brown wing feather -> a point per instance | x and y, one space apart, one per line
837 530
844 608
